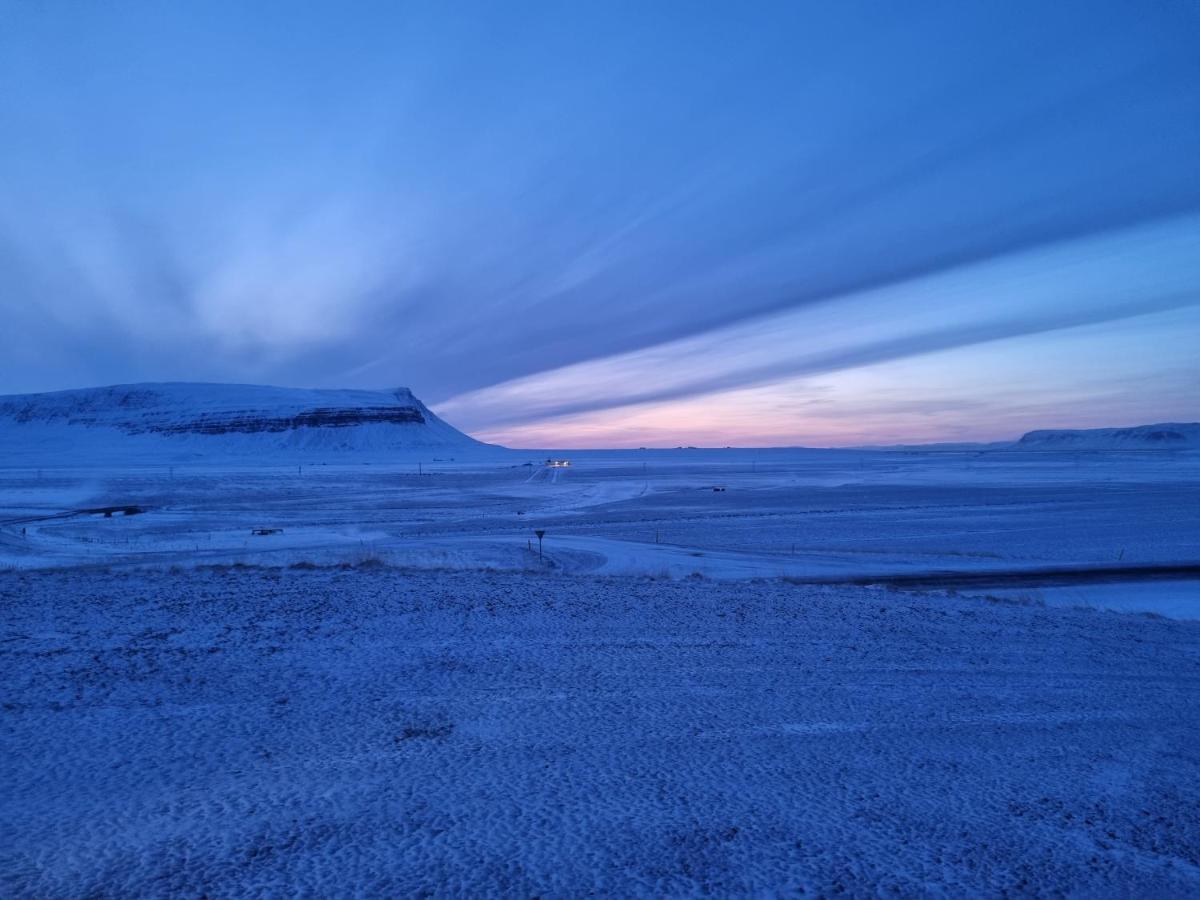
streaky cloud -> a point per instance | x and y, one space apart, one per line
1119 275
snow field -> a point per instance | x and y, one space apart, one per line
803 514
372 731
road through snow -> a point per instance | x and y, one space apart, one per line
809 515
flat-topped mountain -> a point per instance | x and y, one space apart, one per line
1164 436
216 417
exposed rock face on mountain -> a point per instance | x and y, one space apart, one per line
1165 436
327 417
216 417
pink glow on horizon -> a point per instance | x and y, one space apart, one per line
951 396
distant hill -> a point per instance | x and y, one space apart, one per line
1164 436
217 418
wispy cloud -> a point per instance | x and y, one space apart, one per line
1080 377
1101 278
526 215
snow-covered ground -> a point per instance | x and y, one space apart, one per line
731 672
371 731
1084 518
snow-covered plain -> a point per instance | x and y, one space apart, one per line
694 690
1036 521
370 731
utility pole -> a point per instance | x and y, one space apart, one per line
541 533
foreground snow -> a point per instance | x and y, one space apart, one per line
383 732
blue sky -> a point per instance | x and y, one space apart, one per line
615 224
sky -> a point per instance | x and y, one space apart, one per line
616 224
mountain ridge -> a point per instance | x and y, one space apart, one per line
1158 436
1161 435
234 417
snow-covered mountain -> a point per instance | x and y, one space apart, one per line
220 418
1164 436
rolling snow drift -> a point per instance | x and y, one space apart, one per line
221 418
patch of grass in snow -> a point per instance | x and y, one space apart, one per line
1016 600
424 731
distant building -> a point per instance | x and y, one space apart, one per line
558 463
